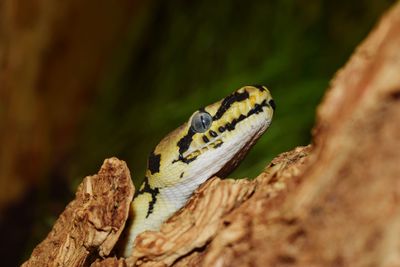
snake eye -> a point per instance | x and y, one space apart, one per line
201 122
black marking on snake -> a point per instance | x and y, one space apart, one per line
228 101
230 126
259 87
184 160
153 193
185 141
205 139
154 162
181 174
187 161
272 104
213 134
218 144
221 129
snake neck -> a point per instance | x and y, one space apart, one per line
153 206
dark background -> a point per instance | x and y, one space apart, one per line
81 82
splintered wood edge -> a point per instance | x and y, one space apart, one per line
92 223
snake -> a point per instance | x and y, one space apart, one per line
212 142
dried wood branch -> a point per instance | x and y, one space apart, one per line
91 224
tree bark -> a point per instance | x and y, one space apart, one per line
92 223
333 203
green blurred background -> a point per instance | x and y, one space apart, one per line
155 63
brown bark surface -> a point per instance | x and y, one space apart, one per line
92 223
335 203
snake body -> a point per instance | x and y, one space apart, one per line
212 142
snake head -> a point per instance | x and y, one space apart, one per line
214 139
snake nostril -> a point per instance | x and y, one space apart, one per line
272 104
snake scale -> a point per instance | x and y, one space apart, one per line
212 142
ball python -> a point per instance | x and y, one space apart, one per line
212 142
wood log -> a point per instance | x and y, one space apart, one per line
92 223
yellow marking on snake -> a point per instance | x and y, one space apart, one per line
212 142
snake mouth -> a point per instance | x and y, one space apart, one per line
189 157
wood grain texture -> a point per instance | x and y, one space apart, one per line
92 223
